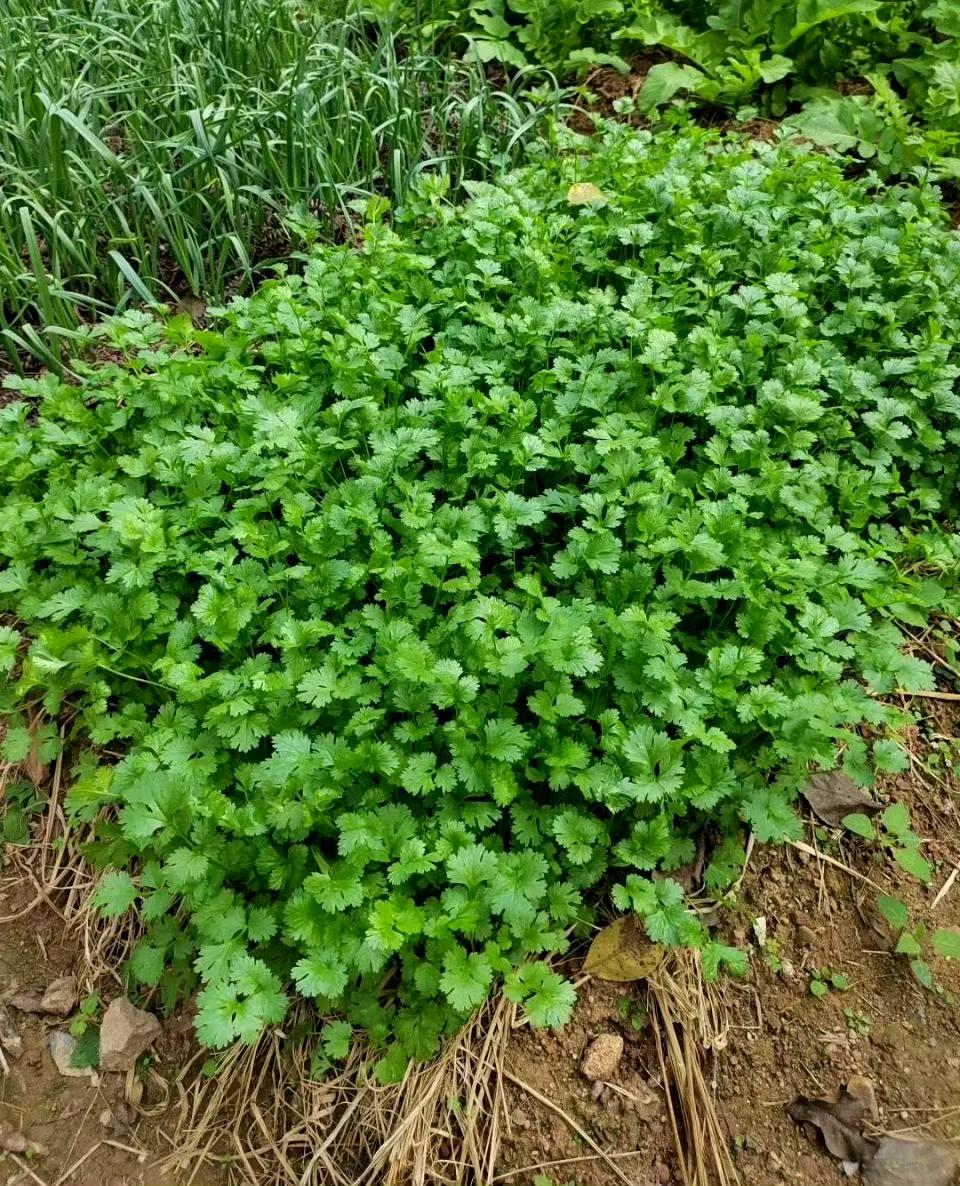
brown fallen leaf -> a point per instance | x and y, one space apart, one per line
839 1120
882 1161
862 1089
622 951
833 796
194 307
32 766
897 1162
581 193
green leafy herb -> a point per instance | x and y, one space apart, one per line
437 594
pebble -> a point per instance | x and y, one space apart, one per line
60 998
808 1168
10 1038
647 1102
787 971
61 1046
12 1141
806 936
125 1033
519 1118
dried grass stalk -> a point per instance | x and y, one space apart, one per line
687 1017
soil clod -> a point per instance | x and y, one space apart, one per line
602 1057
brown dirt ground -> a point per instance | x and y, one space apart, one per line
65 1115
778 1040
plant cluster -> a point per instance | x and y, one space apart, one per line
466 578
915 941
874 77
152 150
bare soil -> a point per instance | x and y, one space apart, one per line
90 1133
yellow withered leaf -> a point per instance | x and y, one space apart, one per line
583 192
621 951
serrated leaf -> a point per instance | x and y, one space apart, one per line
860 825
913 863
466 978
115 894
147 964
894 911
896 819
946 941
907 945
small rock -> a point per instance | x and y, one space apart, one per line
10 1038
646 1102
806 936
602 1057
60 999
519 1118
774 1164
106 1119
62 1046
787 971
125 1033
27 1002
12 1141
809 1168
597 1089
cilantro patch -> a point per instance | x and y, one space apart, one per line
455 586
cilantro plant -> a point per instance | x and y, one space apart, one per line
463 580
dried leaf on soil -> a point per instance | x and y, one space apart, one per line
839 1121
621 951
883 1161
833 796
